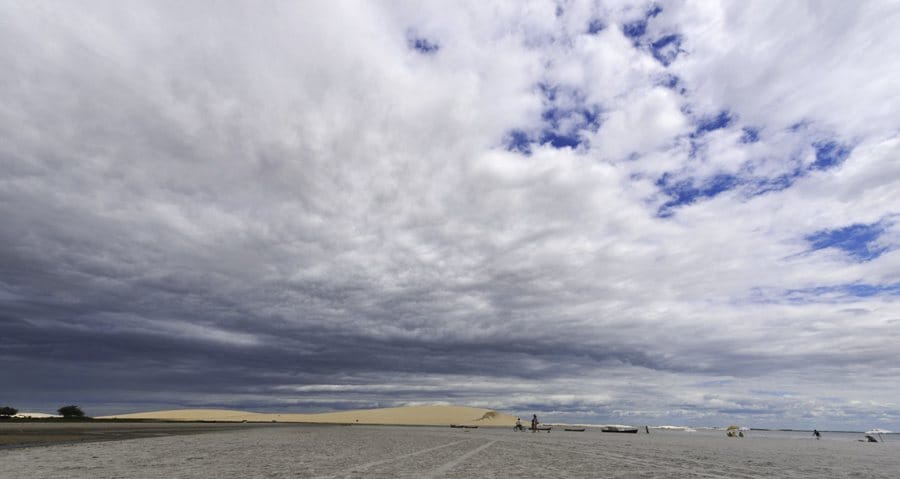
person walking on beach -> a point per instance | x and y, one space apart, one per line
534 423
817 434
519 425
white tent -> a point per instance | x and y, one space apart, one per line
34 415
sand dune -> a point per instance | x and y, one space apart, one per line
407 416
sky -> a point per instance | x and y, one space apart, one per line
682 212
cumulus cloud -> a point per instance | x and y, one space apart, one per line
621 212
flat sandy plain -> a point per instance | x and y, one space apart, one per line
319 451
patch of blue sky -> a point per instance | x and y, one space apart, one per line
595 26
760 186
565 116
859 241
557 140
844 291
638 28
696 147
591 117
423 45
520 141
829 154
866 290
517 140
798 126
751 135
666 49
669 81
719 184
721 120
635 29
553 116
579 118
686 192
549 91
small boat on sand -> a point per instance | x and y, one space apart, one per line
625 429
462 426
574 429
875 435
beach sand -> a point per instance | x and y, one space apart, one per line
404 416
291 451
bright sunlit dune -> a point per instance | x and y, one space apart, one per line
412 416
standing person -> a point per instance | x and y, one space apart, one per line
817 434
534 423
519 425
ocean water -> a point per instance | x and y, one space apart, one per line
386 452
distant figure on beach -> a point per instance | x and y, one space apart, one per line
647 429
534 423
518 425
817 434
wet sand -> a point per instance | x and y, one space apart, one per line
290 451
35 433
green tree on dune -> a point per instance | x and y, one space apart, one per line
7 411
71 412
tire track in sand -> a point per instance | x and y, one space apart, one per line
443 468
363 467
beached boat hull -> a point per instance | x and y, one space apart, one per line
619 429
